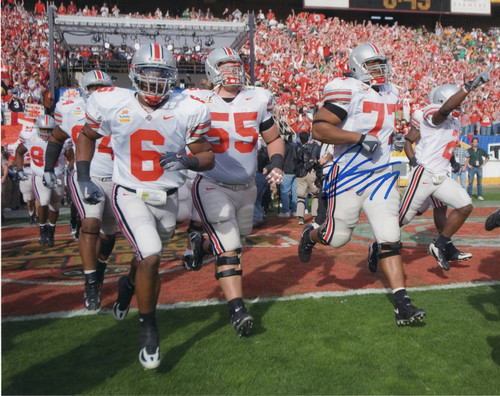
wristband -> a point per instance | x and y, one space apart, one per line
192 163
51 155
83 170
277 161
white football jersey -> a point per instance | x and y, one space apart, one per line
368 112
140 136
235 131
70 116
437 143
37 147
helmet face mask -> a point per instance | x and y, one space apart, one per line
153 73
225 67
368 64
45 124
93 80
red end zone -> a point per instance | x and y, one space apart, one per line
38 279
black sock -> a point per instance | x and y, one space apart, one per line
442 241
399 296
148 319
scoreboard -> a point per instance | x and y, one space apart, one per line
479 7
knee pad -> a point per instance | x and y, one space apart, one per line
223 260
107 244
389 249
193 227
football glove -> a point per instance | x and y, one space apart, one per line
91 193
398 141
479 80
369 143
172 161
413 161
21 175
49 179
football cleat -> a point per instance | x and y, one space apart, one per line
493 221
439 255
373 257
306 244
33 219
125 293
453 254
44 235
406 313
197 240
242 322
188 261
91 296
149 355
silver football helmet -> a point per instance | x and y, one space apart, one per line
373 75
232 73
153 72
94 78
441 94
45 124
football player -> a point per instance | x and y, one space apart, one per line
437 130
150 129
97 233
224 197
358 117
34 141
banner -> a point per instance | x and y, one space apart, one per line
32 110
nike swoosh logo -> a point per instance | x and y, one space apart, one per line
210 188
166 118
249 98
424 183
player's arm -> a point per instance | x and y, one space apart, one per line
70 157
412 137
451 104
275 150
85 147
52 152
202 151
19 161
325 129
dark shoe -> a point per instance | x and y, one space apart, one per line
44 235
242 322
305 244
493 221
406 313
453 254
149 356
50 239
33 219
125 293
439 255
301 220
196 240
373 257
91 296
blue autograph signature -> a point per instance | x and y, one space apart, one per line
349 177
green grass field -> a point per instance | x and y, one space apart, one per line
331 345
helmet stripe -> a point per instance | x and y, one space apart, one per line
229 51
156 51
376 49
98 75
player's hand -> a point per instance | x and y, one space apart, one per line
398 141
479 80
455 168
49 179
21 175
369 143
173 161
413 161
91 193
274 175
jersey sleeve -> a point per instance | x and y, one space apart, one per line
25 135
429 111
338 92
416 119
199 121
98 105
270 103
